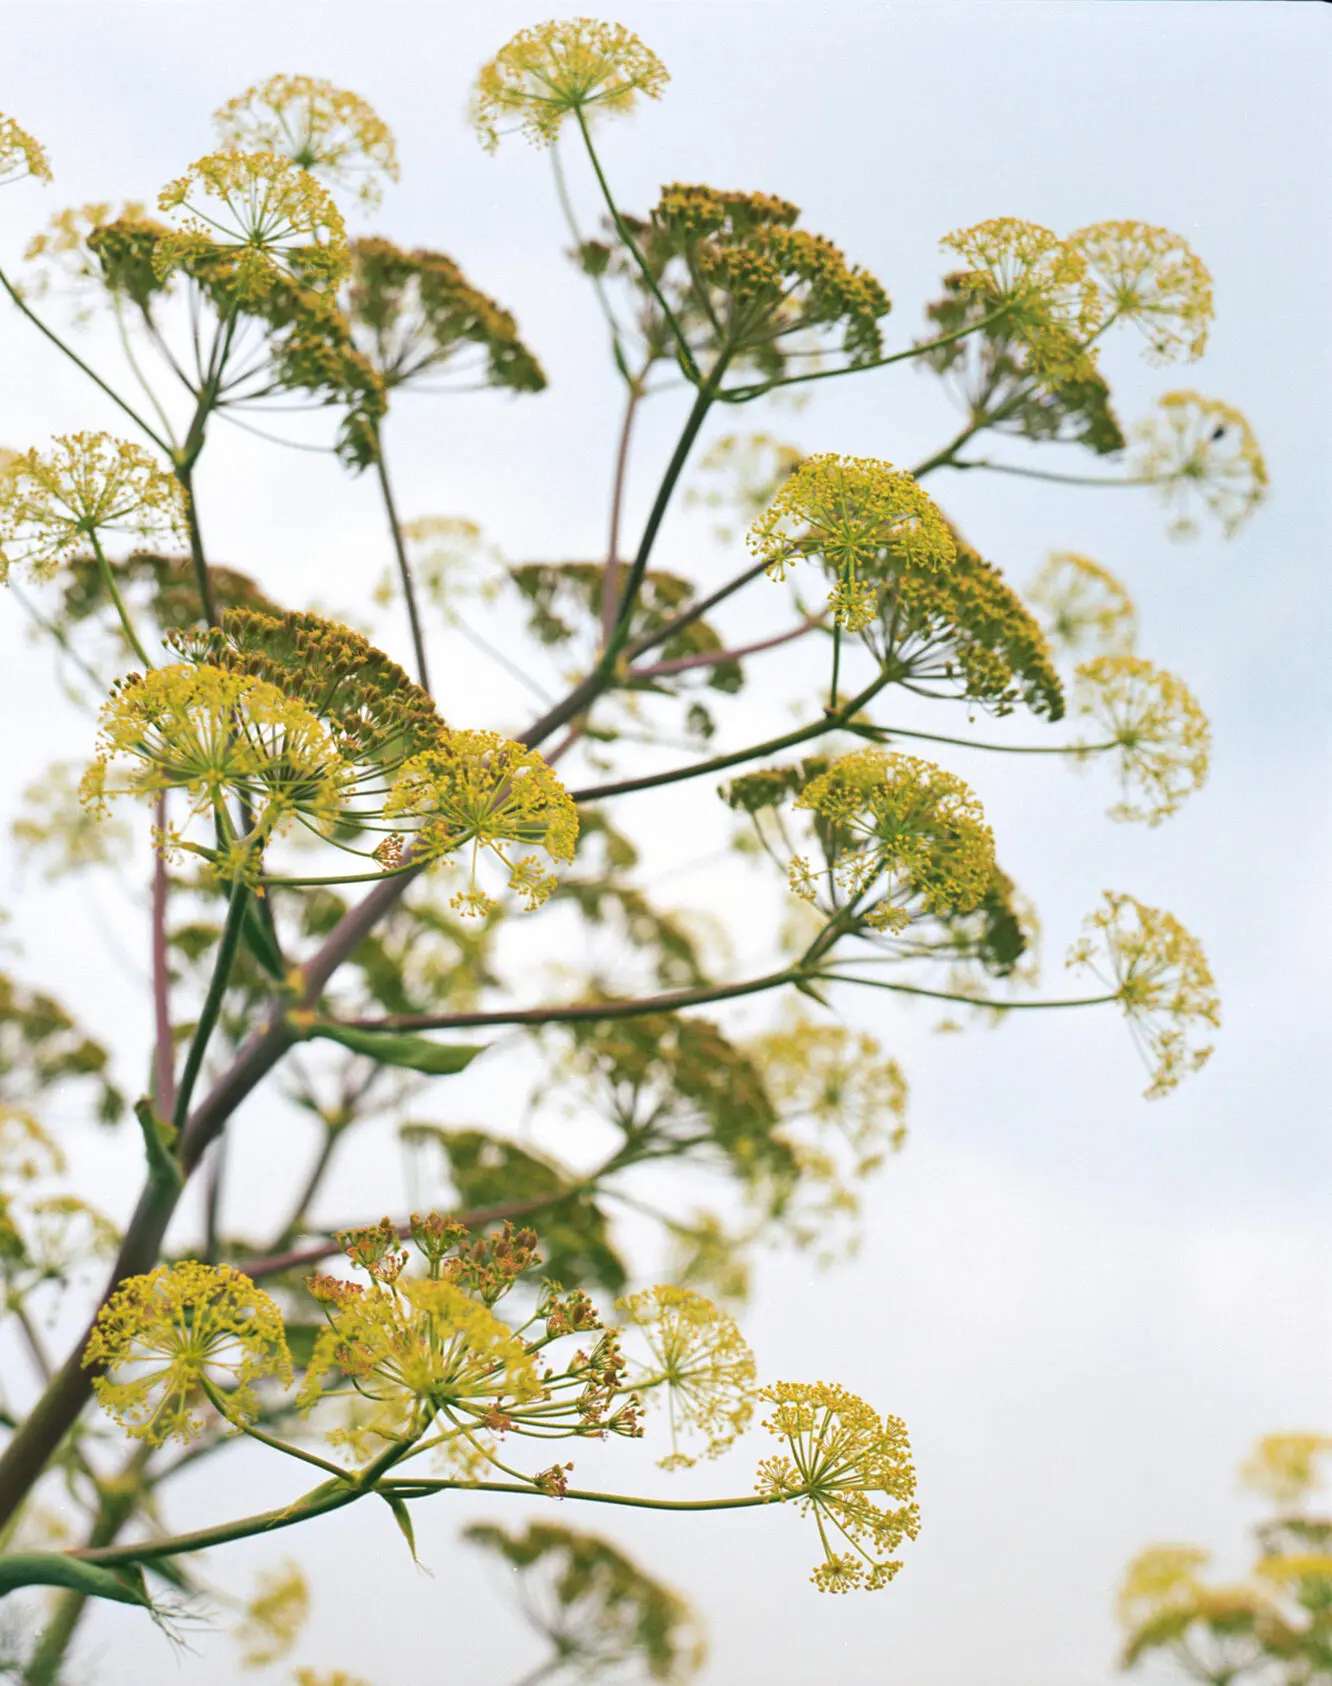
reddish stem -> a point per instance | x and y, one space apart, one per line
610 579
714 658
164 1050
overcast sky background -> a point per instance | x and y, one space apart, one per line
1085 1307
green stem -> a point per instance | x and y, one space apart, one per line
687 362
74 358
115 1507
742 394
404 567
329 1496
719 763
965 1000
887 733
566 207
693 423
412 1488
212 1007
219 1404
113 592
203 579
1062 479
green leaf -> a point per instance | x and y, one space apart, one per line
256 929
416 1053
402 1517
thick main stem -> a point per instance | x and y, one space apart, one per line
32 1445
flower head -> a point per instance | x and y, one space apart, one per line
843 1458
1284 1467
56 503
417 316
20 154
1083 604
740 473
962 631
160 1338
263 212
1041 285
94 245
1199 451
847 513
27 1151
418 1348
766 289
599 1610
1004 376
842 1107
326 130
898 827
1152 278
211 732
1162 738
1161 979
699 1356
377 715
274 1617
482 789
568 65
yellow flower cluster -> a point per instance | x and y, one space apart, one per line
962 631
56 503
430 1364
417 1349
327 130
844 1458
739 474
1162 737
758 287
1040 283
482 789
901 825
1152 278
27 1151
20 154
1201 452
701 1360
211 732
604 1616
415 314
837 1080
184 1329
1161 978
1284 1467
849 514
273 1618
568 65
306 720
262 211
1083 604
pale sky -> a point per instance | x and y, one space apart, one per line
1085 1307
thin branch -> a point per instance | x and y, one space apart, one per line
404 566
715 658
74 358
1059 479
580 1012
